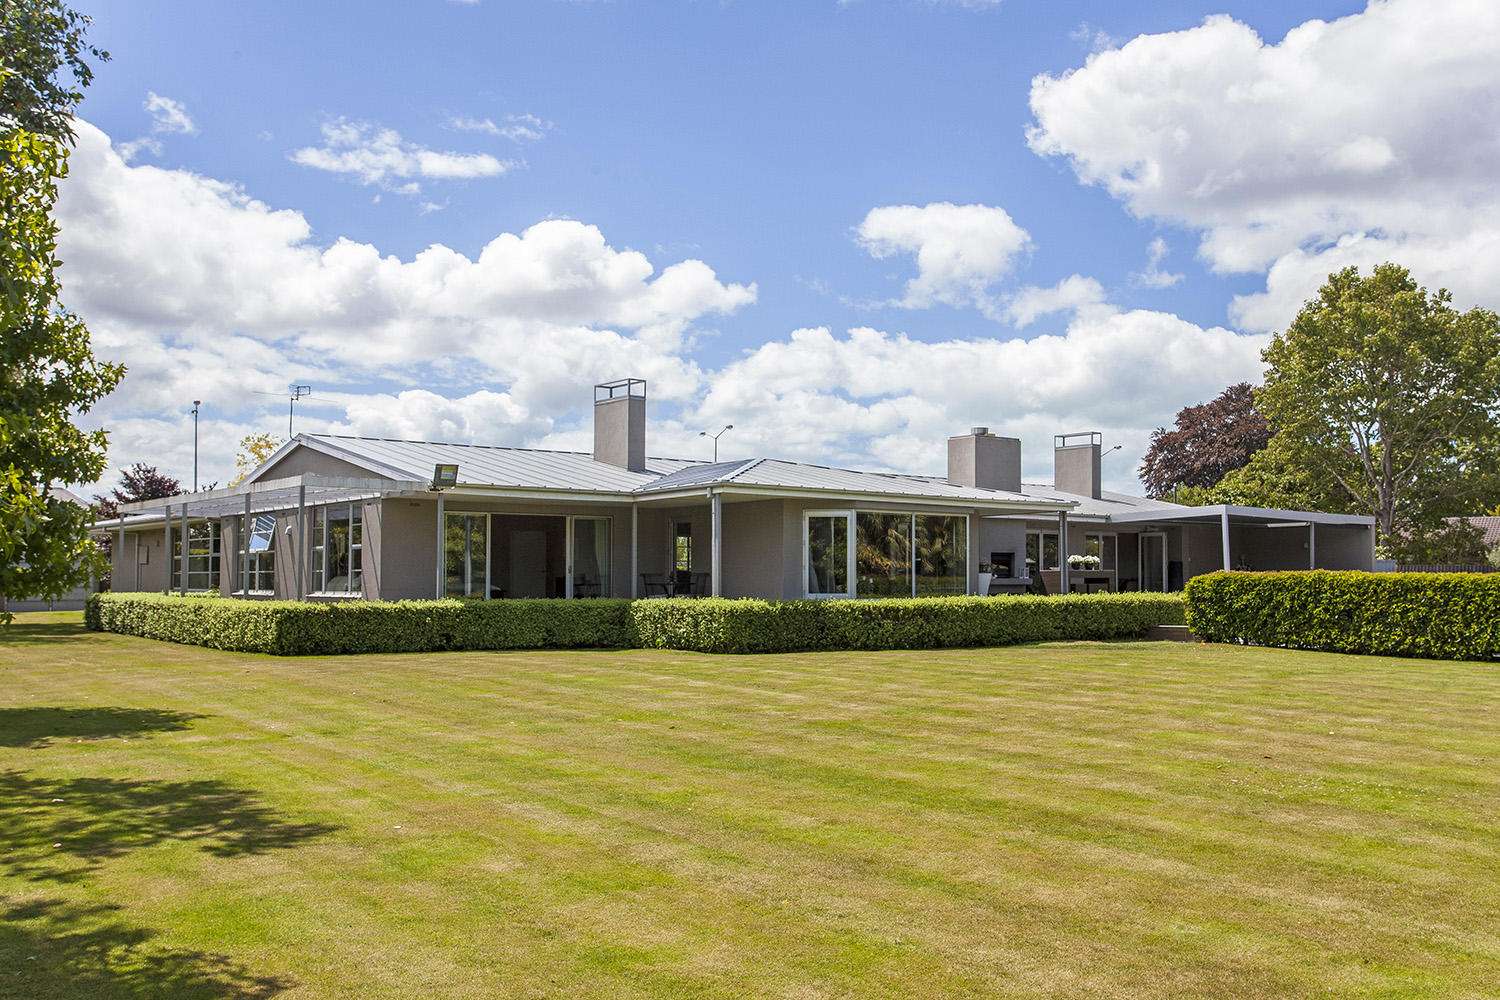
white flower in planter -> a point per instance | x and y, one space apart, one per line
1084 562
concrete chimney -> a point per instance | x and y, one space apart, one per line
620 423
985 460
1075 463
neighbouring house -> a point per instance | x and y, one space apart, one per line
330 517
73 599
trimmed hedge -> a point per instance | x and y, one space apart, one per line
1446 616
294 628
717 625
714 625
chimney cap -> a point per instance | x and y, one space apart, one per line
620 389
1068 440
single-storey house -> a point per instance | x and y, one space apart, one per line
330 517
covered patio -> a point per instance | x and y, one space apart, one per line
1230 537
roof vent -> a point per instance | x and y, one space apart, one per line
977 431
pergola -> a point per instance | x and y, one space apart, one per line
293 493
1226 514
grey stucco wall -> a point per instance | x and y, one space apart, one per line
753 551
305 461
127 572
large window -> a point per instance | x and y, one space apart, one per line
1103 546
942 550
882 557
828 555
1041 550
466 556
257 552
337 545
203 556
894 555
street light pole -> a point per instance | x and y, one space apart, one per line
196 403
705 434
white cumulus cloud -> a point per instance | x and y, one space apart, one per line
961 251
374 155
1374 136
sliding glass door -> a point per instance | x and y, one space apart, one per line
590 571
466 556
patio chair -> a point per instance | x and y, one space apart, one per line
700 585
654 585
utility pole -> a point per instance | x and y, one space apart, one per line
704 434
295 393
196 403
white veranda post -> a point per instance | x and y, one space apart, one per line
716 567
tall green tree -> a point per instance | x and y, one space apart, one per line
1390 397
48 372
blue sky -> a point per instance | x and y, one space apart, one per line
756 138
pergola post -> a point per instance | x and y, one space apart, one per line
166 586
1224 533
300 561
1312 544
1063 582
242 537
119 559
716 568
438 573
183 545
635 527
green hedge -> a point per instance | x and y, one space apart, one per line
716 625
291 628
1447 616
711 625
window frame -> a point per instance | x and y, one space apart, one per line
1041 548
258 572
175 580
1104 567
318 550
849 582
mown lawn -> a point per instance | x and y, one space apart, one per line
1069 820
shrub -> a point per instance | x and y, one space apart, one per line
1449 616
716 625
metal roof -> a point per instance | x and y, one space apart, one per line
261 496
1238 514
488 465
776 473
1108 505
493 467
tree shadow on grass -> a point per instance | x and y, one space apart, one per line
35 727
61 829
52 949
23 633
